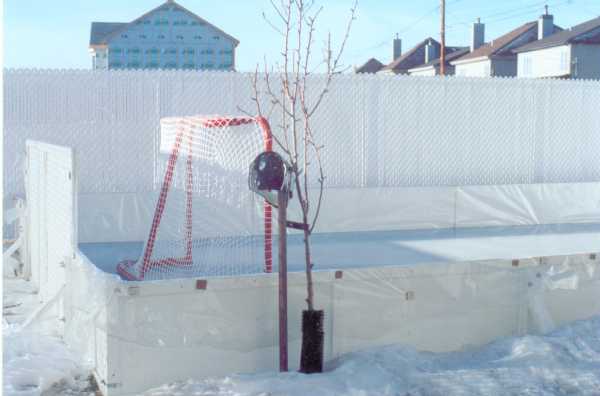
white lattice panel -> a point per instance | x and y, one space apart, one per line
377 130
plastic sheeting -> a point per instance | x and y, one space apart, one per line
179 331
116 217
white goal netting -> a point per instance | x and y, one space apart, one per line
206 220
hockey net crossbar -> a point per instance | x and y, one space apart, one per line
206 221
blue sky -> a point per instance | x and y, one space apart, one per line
55 33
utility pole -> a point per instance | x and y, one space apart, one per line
443 38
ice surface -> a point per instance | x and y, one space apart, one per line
386 248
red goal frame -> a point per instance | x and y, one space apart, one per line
187 260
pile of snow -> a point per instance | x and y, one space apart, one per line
564 362
35 363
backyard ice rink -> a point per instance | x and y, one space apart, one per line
513 152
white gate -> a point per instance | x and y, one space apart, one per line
51 215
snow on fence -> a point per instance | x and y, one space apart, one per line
378 130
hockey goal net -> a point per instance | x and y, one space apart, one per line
207 222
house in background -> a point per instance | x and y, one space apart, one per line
432 68
572 53
424 52
497 58
371 66
167 37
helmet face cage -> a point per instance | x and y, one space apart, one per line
268 172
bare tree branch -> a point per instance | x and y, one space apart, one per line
297 105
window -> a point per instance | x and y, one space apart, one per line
161 36
152 65
179 37
133 51
114 65
207 66
180 23
225 66
216 38
188 51
170 51
124 36
207 52
147 22
564 61
134 65
189 65
197 23
527 68
143 36
161 22
152 51
115 51
197 37
225 52
170 65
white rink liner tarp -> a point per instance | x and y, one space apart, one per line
439 269
143 334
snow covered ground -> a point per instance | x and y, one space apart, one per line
564 362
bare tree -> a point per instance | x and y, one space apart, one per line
298 101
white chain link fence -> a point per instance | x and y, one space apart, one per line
377 130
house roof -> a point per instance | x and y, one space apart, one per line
452 53
405 61
574 34
102 39
497 46
371 66
101 29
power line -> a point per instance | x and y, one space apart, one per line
511 14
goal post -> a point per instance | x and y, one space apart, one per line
206 220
